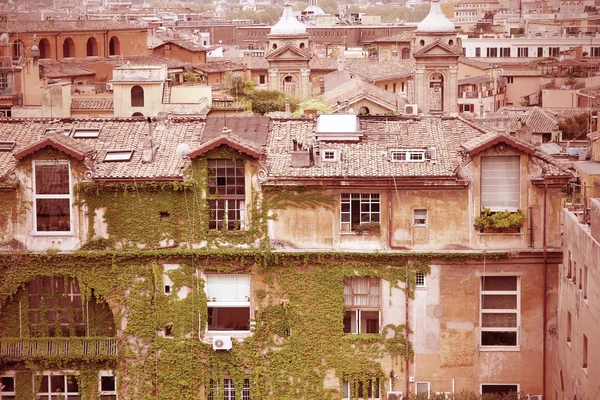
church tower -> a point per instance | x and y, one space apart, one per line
289 55
436 49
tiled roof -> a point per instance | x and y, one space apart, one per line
521 72
69 26
474 62
506 61
374 71
400 37
474 80
327 64
356 89
184 44
103 104
220 66
119 61
58 69
367 158
540 121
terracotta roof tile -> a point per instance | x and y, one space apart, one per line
521 72
58 69
356 89
103 104
70 26
374 71
400 37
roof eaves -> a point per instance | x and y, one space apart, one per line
228 141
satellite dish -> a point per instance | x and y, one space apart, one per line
183 149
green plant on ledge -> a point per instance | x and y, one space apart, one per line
501 220
368 228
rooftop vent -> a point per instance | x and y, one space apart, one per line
6 145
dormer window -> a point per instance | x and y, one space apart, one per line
52 196
408 155
118 155
330 155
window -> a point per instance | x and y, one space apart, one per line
118 155
585 352
492 52
540 52
505 52
501 389
595 51
358 209
137 96
570 266
477 51
58 387
228 300
356 389
568 327
522 52
86 133
330 155
420 217
262 79
580 279
554 51
362 301
227 191
55 302
466 108
410 155
500 183
420 279
510 79
52 183
585 282
92 47
228 390
422 389
7 388
7 145
500 310
108 386
3 81
574 272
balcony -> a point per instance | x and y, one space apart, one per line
62 348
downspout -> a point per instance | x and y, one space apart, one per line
545 287
406 328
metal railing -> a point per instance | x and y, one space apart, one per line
68 347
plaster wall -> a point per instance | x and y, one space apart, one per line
191 94
581 250
174 52
152 99
521 86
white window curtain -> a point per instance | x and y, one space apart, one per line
500 183
361 292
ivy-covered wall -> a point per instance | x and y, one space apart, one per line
297 347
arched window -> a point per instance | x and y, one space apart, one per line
301 45
114 46
17 49
137 96
44 47
364 110
405 53
274 46
91 47
137 114
422 42
68 48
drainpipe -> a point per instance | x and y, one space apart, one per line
545 287
406 328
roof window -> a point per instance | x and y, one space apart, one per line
118 155
86 133
6 145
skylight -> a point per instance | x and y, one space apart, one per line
6 145
65 130
118 155
86 133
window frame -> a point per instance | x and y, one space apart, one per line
3 80
228 390
415 219
37 197
330 155
347 389
516 310
421 383
420 276
55 395
101 393
139 100
356 309
228 304
5 394
371 199
406 155
218 204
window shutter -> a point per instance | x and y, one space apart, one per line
228 288
500 183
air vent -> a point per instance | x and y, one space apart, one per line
6 145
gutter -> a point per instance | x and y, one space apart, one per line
544 335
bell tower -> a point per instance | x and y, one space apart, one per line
436 49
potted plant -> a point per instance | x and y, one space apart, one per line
499 222
371 228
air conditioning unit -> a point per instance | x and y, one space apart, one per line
394 396
411 109
222 343
109 86
535 397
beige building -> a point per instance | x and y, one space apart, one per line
576 335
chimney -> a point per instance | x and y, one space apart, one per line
148 145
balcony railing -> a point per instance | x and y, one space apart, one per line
68 347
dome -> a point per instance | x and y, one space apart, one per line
220 9
288 24
315 10
435 21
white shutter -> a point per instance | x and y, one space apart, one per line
501 183
228 288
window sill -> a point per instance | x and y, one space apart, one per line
499 348
354 233
54 234
239 335
500 232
